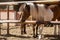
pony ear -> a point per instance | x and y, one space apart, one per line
22 7
47 5
27 6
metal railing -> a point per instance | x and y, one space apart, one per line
31 22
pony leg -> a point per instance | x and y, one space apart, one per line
34 35
37 30
23 29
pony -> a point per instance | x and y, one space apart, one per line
39 13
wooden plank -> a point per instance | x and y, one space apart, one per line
38 2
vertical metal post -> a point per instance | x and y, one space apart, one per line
59 30
16 15
0 23
0 28
7 19
55 30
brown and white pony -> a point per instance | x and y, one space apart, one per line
56 14
43 16
26 10
39 13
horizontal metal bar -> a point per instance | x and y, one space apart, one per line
30 22
38 2
8 21
16 21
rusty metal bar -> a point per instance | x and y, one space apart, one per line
37 2
30 22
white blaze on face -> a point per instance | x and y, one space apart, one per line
21 11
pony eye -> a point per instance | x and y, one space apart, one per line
20 12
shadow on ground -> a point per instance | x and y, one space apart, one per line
3 39
20 36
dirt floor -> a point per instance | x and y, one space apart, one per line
15 33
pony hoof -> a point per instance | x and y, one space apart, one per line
35 36
25 33
22 33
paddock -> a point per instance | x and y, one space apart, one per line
27 22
